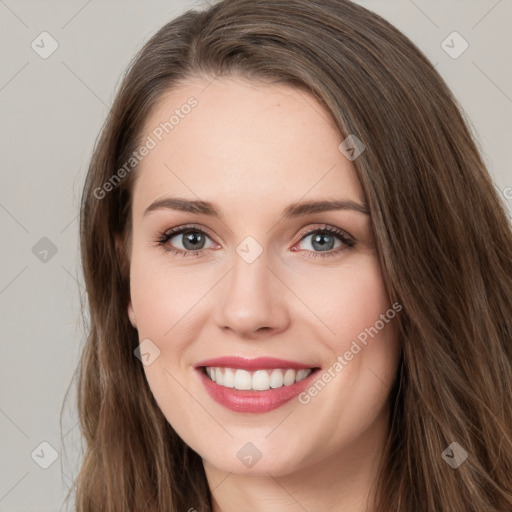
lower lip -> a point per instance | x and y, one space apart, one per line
254 401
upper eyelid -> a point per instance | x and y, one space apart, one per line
171 233
325 227
179 230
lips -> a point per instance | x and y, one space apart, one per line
258 363
254 385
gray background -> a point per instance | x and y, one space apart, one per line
51 111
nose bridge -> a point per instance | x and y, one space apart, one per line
249 279
250 298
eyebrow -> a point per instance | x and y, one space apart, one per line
291 211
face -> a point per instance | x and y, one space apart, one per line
282 301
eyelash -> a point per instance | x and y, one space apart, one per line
164 237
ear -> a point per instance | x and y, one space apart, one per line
125 270
131 315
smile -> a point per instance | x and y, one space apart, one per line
259 380
254 385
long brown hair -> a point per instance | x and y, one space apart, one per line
441 229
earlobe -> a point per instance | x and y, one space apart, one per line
131 315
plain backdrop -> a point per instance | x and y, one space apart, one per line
51 110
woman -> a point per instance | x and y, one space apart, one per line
299 276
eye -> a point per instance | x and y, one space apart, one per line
323 242
191 239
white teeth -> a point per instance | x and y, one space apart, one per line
276 379
243 379
259 380
289 377
229 378
302 374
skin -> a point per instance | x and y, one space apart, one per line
253 149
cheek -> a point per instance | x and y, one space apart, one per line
163 295
346 300
162 298
341 301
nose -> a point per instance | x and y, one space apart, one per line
251 301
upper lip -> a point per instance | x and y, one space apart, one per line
258 363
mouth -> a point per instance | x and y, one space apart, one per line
254 385
259 380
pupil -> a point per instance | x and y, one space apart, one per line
319 237
192 238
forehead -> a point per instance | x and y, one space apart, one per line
232 140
